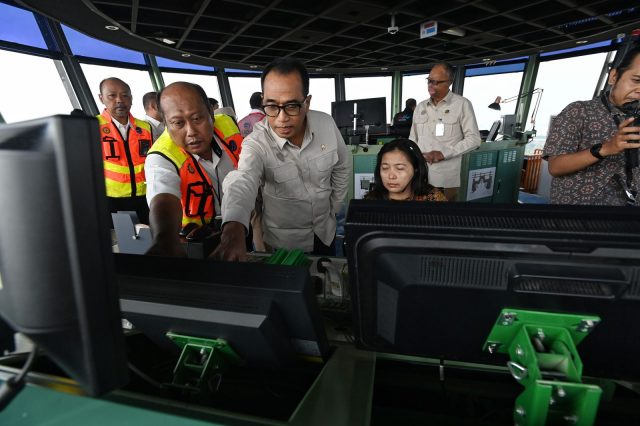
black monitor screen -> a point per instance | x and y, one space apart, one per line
57 279
267 313
431 280
371 112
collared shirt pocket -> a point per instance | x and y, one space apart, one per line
421 118
287 181
321 169
452 127
420 122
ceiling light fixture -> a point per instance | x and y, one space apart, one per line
167 41
112 27
458 32
581 42
253 67
186 55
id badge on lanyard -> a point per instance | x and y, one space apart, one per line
440 128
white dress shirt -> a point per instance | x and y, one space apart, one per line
122 128
157 127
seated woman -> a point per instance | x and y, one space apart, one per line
401 174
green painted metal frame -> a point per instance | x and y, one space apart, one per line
528 84
545 343
293 257
200 360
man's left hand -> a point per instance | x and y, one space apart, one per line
434 156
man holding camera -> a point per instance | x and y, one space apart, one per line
592 145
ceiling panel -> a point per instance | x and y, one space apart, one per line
344 35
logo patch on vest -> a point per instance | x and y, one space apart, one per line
190 169
106 130
233 146
138 130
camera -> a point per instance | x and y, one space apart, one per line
393 30
632 109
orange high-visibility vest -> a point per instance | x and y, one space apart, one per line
124 160
198 203
196 189
227 130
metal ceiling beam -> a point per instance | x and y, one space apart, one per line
350 27
433 49
584 8
193 22
417 22
246 27
506 14
134 15
298 28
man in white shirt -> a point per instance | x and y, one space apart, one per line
152 114
298 159
185 168
444 127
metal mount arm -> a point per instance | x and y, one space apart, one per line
534 112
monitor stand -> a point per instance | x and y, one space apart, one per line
545 360
200 360
131 237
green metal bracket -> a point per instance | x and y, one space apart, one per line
544 359
200 360
527 136
294 257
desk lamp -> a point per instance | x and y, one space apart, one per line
496 104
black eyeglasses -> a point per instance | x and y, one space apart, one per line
431 82
291 109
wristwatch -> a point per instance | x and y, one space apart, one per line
595 151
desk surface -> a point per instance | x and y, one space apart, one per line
341 395
406 391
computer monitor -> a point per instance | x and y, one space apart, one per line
267 313
57 281
431 279
371 111
493 132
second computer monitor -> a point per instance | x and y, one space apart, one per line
370 112
267 313
431 279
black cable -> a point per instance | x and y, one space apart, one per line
145 377
27 365
13 385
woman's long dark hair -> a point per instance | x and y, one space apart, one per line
419 183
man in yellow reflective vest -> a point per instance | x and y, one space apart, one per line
125 144
186 165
